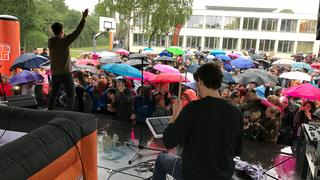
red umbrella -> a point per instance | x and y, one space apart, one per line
146 76
122 52
306 90
315 66
169 78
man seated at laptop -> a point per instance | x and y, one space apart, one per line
209 129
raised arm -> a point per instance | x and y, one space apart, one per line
74 35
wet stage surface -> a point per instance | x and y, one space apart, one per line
114 153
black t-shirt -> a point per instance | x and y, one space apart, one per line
210 131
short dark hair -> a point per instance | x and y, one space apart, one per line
112 91
56 28
210 74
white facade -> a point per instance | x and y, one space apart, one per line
282 43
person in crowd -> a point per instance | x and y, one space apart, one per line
61 61
286 122
160 108
5 86
22 51
163 89
212 123
304 115
45 53
35 51
187 96
122 101
28 89
143 106
271 125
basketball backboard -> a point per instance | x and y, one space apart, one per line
106 24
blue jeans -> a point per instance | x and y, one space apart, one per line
165 164
67 81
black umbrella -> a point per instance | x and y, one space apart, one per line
199 53
136 62
256 75
28 61
110 60
257 56
87 68
138 56
165 58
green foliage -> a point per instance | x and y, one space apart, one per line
36 17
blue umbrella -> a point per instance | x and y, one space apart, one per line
242 63
223 57
165 53
148 49
227 77
217 52
25 77
298 66
28 61
123 70
193 68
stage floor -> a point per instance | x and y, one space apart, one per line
114 153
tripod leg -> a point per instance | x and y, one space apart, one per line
134 157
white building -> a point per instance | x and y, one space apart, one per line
240 25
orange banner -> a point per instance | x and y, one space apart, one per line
176 34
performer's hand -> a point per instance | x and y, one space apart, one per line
85 13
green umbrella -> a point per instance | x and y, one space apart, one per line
175 50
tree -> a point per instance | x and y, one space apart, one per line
157 16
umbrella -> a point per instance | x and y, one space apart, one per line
256 75
164 58
105 54
298 66
148 49
87 61
122 52
28 61
110 59
169 78
234 55
175 50
305 90
283 62
189 76
192 85
242 63
148 52
193 68
165 53
257 56
296 75
199 53
136 62
217 52
138 56
227 78
315 66
25 77
165 68
123 70
146 76
223 57
210 57
87 68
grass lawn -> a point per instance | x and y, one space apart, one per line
75 52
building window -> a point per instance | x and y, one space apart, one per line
288 25
214 22
266 45
142 40
195 22
250 23
138 40
138 21
304 47
157 40
269 24
193 41
247 44
232 23
308 26
229 43
211 43
180 40
285 46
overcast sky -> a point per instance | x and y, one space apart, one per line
298 6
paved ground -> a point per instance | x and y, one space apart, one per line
114 153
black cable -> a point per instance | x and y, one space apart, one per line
120 172
75 144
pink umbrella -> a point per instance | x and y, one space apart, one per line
169 78
146 76
166 68
305 90
87 61
315 66
122 52
233 55
286 169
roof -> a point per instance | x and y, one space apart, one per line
248 9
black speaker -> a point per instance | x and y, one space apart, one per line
25 101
